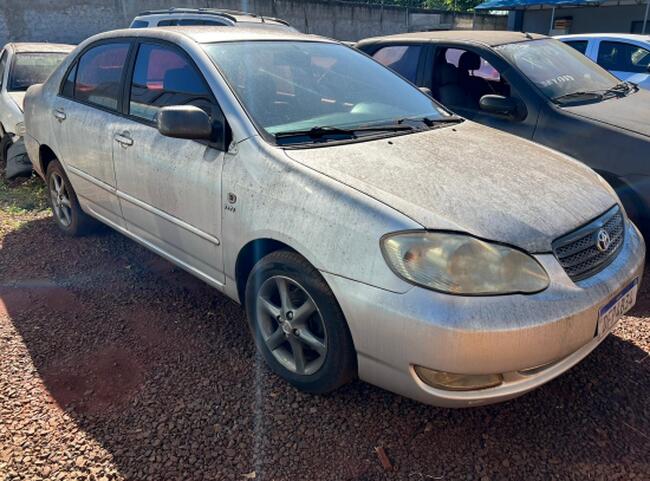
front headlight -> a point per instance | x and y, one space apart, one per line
20 129
462 264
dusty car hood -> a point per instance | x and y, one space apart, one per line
630 113
473 179
19 98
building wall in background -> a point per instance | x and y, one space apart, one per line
587 19
72 21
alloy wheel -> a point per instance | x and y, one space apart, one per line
291 325
60 199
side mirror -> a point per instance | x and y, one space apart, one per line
426 91
184 122
498 104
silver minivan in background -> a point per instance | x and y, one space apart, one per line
367 230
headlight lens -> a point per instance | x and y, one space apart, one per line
20 129
462 264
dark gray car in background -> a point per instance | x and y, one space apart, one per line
540 89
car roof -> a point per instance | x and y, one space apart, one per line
487 37
41 47
233 15
620 36
213 34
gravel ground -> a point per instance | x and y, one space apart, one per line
116 365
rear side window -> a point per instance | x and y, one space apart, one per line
403 59
139 24
623 57
163 76
579 45
99 74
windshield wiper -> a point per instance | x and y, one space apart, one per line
576 95
431 122
620 89
319 132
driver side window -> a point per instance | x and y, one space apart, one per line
461 77
163 77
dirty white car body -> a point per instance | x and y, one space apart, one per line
12 127
256 210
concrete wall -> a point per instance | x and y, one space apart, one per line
586 20
72 21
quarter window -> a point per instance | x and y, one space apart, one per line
623 57
99 74
162 77
403 59
579 45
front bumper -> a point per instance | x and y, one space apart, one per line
507 334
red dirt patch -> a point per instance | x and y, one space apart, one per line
105 380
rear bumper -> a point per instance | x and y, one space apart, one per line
481 335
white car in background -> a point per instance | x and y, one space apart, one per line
205 16
627 56
22 65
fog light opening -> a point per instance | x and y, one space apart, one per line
457 382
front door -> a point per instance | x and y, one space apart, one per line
627 61
170 189
461 76
87 116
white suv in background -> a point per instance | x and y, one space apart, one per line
205 16
625 55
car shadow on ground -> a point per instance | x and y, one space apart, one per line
160 370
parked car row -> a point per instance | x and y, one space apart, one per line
367 229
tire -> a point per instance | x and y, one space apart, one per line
5 143
67 214
329 357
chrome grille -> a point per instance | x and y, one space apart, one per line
578 253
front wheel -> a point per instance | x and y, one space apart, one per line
62 199
298 325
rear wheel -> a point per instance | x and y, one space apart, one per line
298 325
65 207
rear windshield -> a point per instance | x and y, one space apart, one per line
33 68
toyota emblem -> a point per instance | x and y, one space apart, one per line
603 240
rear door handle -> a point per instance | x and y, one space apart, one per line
59 114
123 139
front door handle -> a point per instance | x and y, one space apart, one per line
123 139
59 115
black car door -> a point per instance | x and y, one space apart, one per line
462 74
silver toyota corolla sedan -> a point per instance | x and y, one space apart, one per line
367 231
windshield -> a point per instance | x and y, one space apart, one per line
288 86
33 68
557 69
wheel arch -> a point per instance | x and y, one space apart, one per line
250 254
45 156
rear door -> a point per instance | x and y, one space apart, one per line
87 116
169 189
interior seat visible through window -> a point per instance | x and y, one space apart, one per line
461 77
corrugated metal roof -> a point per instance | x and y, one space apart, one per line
523 4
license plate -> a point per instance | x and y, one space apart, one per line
614 309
